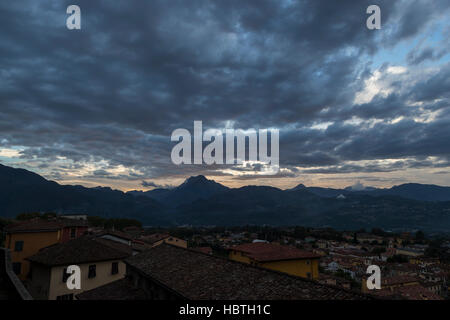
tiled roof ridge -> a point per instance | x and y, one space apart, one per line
42 258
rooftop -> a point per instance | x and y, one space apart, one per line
198 276
389 281
264 252
206 250
41 225
118 234
118 290
152 238
34 225
82 250
417 292
410 292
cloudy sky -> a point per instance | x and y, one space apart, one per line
97 106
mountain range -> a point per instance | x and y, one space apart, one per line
194 188
199 201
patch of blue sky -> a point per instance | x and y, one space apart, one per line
10 155
436 37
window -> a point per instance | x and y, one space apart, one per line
307 261
18 246
65 297
17 267
92 271
73 233
65 275
115 268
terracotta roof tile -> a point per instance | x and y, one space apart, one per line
152 238
34 225
118 290
389 281
206 250
417 292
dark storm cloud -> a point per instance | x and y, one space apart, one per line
436 87
151 184
137 70
381 167
428 53
415 15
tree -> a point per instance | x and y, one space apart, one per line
378 232
48 215
28 216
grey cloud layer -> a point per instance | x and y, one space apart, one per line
139 69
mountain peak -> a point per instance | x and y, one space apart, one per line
300 186
199 178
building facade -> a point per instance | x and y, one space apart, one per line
278 257
100 262
27 238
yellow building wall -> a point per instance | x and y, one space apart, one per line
32 243
238 256
300 267
176 242
103 276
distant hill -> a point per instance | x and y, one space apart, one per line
24 191
199 201
263 205
322 192
414 191
157 194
